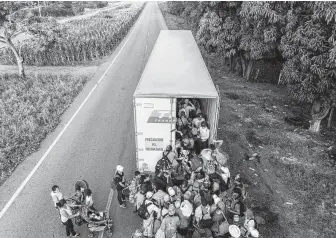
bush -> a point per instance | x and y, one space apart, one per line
176 8
29 110
88 39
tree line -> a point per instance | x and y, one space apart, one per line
299 35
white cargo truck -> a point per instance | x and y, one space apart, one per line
175 69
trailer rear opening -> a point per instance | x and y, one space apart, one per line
175 70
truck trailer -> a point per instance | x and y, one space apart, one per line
175 70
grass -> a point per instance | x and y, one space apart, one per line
86 40
29 110
292 168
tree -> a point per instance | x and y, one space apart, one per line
309 48
17 18
262 25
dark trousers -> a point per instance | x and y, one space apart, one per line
121 197
204 144
197 146
69 227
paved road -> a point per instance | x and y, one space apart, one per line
100 137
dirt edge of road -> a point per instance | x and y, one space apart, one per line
292 188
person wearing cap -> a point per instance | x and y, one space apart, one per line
152 210
119 180
179 171
170 223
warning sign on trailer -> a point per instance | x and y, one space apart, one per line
154 125
154 144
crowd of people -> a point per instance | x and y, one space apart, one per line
192 193
79 206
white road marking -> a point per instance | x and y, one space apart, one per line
18 191
108 205
146 49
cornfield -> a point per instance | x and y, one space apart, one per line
87 40
29 110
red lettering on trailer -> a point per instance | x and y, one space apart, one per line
161 116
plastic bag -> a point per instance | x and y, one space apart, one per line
160 234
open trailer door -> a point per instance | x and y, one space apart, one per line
154 129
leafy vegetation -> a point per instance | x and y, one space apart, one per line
293 165
29 110
298 35
82 40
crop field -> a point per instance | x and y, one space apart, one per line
86 39
29 110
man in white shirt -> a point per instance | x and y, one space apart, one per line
204 134
56 195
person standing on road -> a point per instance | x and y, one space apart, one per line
119 181
66 216
56 195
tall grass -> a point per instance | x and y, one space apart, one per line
87 39
29 110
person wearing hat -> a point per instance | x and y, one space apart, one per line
119 180
234 231
225 174
153 211
184 212
179 172
170 223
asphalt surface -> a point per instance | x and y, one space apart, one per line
100 137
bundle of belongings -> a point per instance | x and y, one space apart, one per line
193 194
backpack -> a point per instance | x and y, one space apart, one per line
179 173
143 211
164 163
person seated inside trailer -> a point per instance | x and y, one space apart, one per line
189 108
198 120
